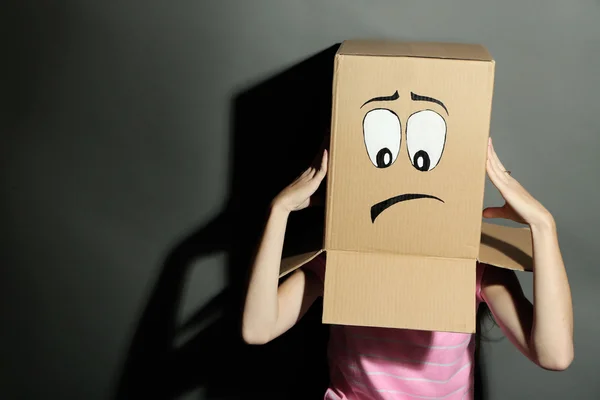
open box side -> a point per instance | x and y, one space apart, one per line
292 263
399 291
506 247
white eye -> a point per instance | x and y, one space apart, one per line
425 139
382 133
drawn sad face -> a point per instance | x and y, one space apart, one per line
408 151
425 139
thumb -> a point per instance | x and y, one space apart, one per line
324 164
494 212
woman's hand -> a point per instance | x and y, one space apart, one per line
519 205
298 195
541 329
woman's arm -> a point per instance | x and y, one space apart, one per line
270 309
542 331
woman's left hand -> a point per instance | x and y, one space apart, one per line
520 206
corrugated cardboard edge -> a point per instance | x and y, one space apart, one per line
290 264
393 48
332 154
506 247
500 246
491 76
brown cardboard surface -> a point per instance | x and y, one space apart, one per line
458 51
396 291
450 224
405 187
506 247
290 264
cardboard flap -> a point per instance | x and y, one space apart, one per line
455 51
398 291
506 247
292 263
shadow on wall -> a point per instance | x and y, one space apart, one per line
278 127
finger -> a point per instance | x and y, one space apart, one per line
510 193
498 169
499 181
495 173
324 161
492 157
307 172
496 159
494 212
501 212
505 212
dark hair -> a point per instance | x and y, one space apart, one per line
485 323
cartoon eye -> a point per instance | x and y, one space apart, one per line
425 139
382 134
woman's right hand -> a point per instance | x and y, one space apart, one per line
298 195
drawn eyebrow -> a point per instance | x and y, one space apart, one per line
418 97
393 97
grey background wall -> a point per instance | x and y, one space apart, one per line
116 144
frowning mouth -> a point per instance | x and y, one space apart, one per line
384 205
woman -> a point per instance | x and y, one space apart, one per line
374 363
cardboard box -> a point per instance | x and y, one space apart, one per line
405 187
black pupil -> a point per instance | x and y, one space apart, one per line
384 158
421 160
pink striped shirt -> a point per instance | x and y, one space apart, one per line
377 363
